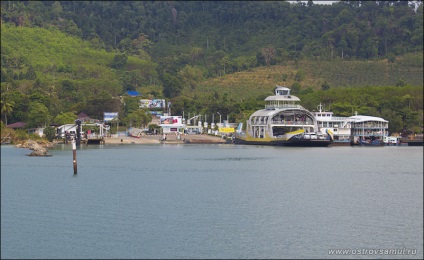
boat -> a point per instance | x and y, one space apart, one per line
370 142
135 135
283 122
338 127
391 140
351 130
136 132
367 130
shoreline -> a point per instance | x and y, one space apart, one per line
147 139
172 139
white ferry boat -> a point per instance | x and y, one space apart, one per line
282 122
369 130
357 129
338 127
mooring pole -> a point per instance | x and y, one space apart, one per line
74 150
78 135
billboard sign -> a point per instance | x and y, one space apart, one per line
170 120
109 116
152 103
226 130
156 113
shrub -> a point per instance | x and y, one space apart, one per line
49 133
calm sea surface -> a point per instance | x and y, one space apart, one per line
212 201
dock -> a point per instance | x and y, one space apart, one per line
94 141
412 142
205 141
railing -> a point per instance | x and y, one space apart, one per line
369 134
283 122
283 106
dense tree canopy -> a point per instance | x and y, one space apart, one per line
61 57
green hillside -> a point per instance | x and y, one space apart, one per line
64 72
62 58
313 74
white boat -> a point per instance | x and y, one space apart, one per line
338 127
282 122
357 129
391 140
368 129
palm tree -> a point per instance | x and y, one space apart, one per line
7 108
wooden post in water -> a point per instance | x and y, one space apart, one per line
74 150
78 135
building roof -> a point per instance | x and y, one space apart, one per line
282 98
133 93
16 125
83 115
271 112
359 119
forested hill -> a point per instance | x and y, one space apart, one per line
61 57
226 36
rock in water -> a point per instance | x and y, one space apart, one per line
38 150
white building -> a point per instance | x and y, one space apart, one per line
172 124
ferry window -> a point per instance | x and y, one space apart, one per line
328 114
330 124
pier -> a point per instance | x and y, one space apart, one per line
412 141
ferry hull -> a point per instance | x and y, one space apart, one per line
373 143
307 143
290 143
336 143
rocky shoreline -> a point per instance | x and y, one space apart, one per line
39 148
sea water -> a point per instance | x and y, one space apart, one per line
212 201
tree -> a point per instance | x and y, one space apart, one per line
325 86
409 118
295 88
56 9
7 108
195 53
191 75
30 74
65 118
300 75
49 132
141 43
119 61
268 53
131 104
224 62
172 85
139 118
38 115
401 83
